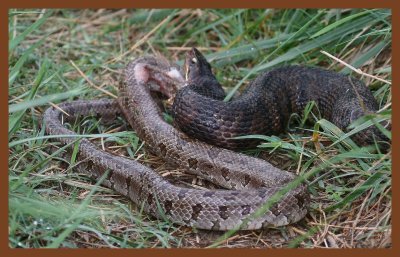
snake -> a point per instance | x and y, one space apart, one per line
248 184
268 102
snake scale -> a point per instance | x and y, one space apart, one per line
251 181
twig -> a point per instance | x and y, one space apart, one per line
58 108
90 82
141 41
356 70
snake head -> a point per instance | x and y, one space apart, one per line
196 65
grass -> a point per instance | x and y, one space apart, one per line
69 54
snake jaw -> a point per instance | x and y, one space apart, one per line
186 71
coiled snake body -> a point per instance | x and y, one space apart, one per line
252 182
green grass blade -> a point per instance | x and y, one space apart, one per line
371 120
21 61
321 41
255 69
245 51
338 23
103 135
75 217
143 16
218 22
15 41
46 99
15 119
336 134
368 184
367 56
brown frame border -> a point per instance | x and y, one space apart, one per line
202 4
